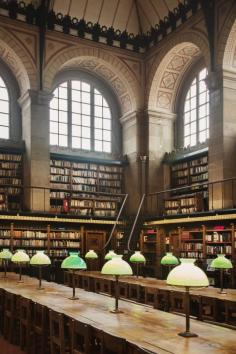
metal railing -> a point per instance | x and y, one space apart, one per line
195 198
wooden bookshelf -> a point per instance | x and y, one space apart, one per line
10 181
87 188
188 172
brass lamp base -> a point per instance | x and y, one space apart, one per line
40 288
187 334
73 298
222 292
116 311
20 282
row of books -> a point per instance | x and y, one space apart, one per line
180 173
192 247
85 173
179 166
65 235
60 178
30 243
30 234
10 165
180 182
13 181
66 244
200 161
199 178
10 157
5 242
218 237
60 163
9 173
106 212
60 171
81 203
191 255
219 249
83 180
198 169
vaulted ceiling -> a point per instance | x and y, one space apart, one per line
134 16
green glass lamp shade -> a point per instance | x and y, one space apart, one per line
221 262
110 255
40 259
137 257
117 266
187 274
73 261
91 255
20 257
169 259
5 254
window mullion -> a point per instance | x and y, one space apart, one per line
92 118
197 110
69 100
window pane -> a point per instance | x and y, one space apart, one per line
98 145
202 86
85 87
187 141
63 117
202 136
193 140
98 100
76 119
187 106
76 130
4 94
193 128
53 139
104 102
54 103
107 124
53 115
202 98
54 127
98 134
4 132
106 146
76 96
202 111
186 117
86 144
187 129
76 107
106 113
62 140
202 124
86 97
193 103
56 93
62 105
106 135
75 85
76 143
98 111
85 132
193 90
202 74
98 123
62 128
85 108
193 115
4 119
4 106
86 121
63 92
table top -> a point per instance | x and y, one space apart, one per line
161 284
152 329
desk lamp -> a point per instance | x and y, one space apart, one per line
187 275
169 260
73 262
20 257
221 263
40 259
90 256
116 266
5 256
109 255
137 258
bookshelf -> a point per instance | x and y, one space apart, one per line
85 188
188 172
10 181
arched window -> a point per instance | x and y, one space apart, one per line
196 111
4 111
80 117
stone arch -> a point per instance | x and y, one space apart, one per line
110 68
168 70
227 39
18 60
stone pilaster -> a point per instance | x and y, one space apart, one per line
161 140
35 127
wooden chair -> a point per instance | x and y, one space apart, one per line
40 329
11 323
25 324
58 343
113 344
80 334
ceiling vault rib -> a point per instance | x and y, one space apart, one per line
69 7
155 9
114 17
99 16
85 9
166 6
145 15
129 14
138 16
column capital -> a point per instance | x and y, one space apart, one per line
131 118
160 117
214 80
35 97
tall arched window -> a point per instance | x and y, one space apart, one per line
80 117
4 111
196 111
